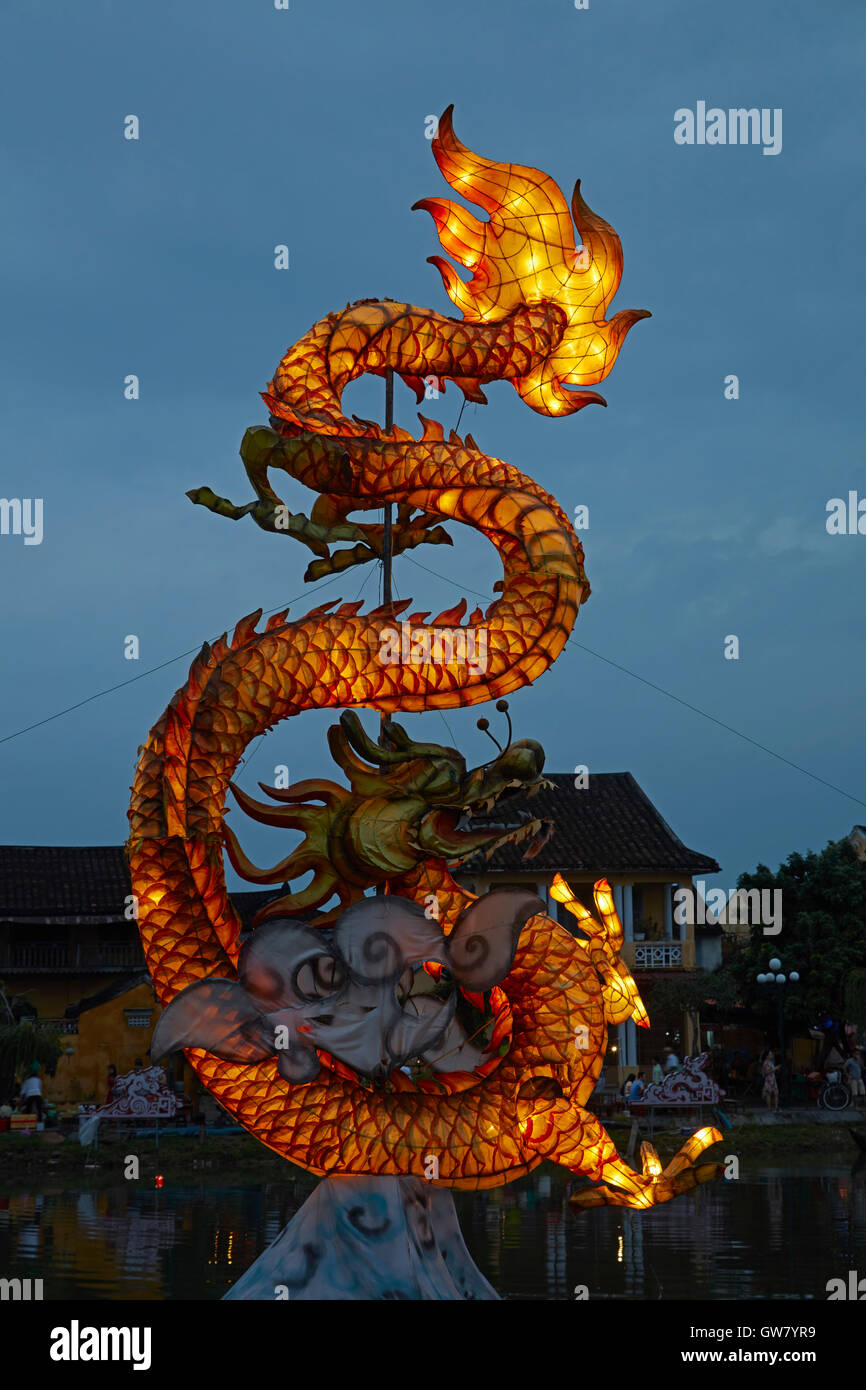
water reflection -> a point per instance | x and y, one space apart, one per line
774 1233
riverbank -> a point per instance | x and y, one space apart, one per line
238 1155
176 1156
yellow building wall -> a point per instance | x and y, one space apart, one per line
50 995
104 1037
653 914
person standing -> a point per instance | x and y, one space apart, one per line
770 1092
854 1078
657 1071
31 1093
672 1061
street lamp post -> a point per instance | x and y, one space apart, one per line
776 977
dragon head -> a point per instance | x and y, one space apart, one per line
524 255
406 802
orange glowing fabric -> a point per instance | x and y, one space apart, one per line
533 314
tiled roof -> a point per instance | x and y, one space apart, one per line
59 882
610 826
80 883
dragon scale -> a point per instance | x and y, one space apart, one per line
530 1102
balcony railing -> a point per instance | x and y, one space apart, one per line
57 1025
657 955
59 955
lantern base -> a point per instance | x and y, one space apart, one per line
368 1238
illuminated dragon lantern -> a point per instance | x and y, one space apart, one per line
421 1024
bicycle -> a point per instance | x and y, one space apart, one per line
834 1095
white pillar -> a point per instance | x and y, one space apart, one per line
627 912
627 1045
669 915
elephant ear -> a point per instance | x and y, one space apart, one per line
482 946
217 1015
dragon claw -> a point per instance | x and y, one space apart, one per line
654 1184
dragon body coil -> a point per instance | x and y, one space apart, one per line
533 313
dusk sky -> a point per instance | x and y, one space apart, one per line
306 127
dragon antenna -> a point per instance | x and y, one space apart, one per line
484 726
502 706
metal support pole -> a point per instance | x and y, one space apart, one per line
387 538
387 545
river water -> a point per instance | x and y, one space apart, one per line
774 1233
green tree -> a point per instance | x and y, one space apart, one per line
672 997
823 938
823 934
855 998
21 1045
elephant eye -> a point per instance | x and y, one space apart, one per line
320 977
